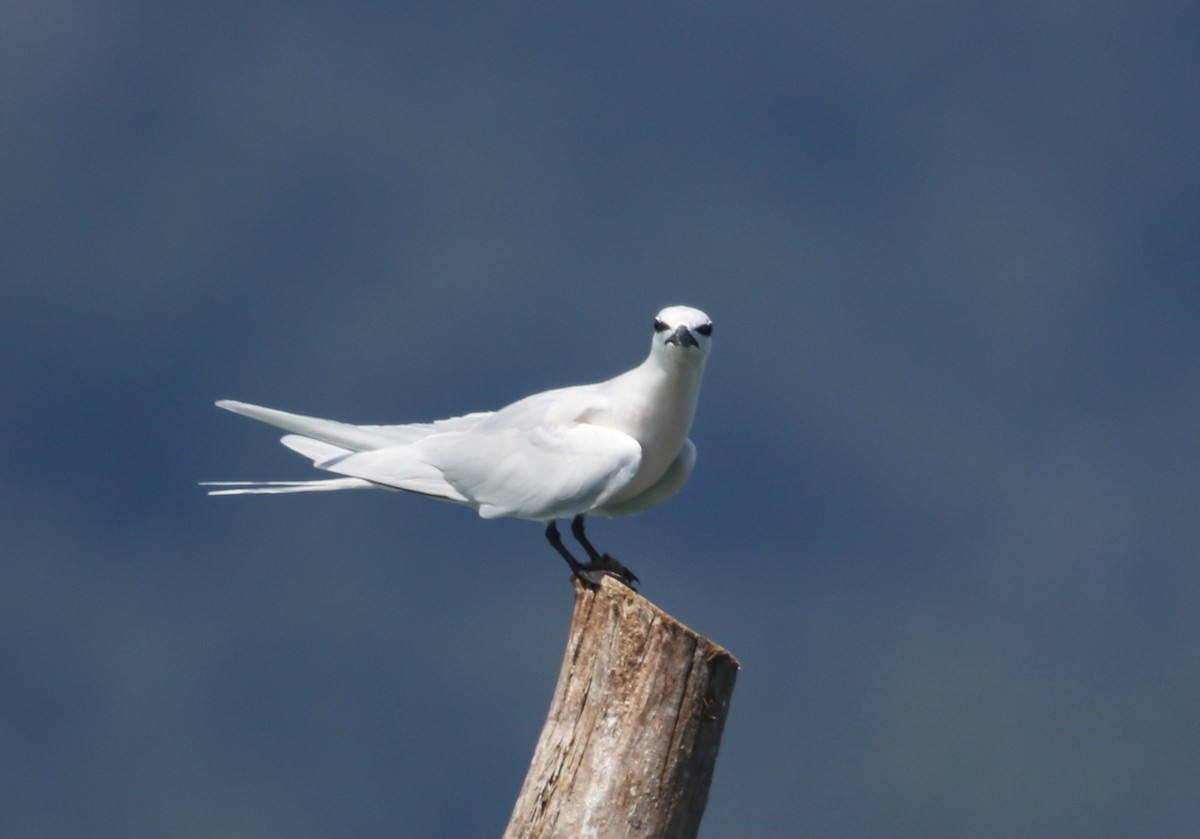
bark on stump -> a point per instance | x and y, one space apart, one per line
631 739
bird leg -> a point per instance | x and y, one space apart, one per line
590 578
598 566
602 561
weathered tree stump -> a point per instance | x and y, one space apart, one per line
631 739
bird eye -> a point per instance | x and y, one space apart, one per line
660 325
705 329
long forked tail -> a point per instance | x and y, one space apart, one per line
370 456
354 438
278 487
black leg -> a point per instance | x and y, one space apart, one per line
597 567
600 561
581 538
589 577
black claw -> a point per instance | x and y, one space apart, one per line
592 573
598 565
614 568
589 577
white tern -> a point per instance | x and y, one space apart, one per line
612 448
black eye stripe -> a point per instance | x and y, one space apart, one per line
704 329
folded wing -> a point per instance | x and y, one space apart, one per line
536 459
538 473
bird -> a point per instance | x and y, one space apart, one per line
610 449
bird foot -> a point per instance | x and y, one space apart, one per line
590 574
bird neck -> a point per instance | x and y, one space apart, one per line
671 389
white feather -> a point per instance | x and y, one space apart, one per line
277 487
612 448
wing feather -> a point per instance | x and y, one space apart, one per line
535 473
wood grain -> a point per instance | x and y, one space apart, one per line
630 743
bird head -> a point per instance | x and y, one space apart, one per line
682 332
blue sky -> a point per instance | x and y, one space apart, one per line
944 510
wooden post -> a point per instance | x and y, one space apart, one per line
631 739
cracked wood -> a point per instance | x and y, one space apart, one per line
631 739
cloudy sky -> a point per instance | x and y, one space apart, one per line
945 508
